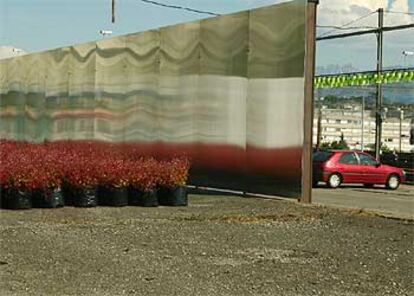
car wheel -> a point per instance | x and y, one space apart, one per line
393 182
334 180
369 185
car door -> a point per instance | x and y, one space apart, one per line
372 169
349 168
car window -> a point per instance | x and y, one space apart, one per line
348 158
321 156
367 159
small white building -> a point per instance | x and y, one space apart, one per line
10 51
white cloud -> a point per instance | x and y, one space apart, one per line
361 50
340 12
397 19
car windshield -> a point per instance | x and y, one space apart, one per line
320 156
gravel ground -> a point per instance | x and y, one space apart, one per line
219 245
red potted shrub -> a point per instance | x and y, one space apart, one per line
172 190
47 178
77 168
17 190
17 177
113 183
47 189
80 179
142 176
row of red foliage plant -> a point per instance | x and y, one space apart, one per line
83 164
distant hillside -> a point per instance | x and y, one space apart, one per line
396 93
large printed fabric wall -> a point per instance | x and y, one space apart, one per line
227 91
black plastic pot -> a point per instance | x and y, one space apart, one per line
2 192
173 196
113 196
16 199
137 197
67 194
48 198
84 197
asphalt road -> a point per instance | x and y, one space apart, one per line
393 203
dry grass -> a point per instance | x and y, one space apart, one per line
266 218
270 218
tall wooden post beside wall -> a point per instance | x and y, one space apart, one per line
308 108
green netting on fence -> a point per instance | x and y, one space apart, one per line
359 79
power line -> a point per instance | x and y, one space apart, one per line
365 72
179 7
344 29
357 33
400 12
349 23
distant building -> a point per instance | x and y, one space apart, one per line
10 51
335 122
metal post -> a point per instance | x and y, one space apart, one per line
362 123
308 102
378 104
400 141
318 124
319 129
113 11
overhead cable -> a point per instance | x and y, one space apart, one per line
179 7
400 12
349 23
346 28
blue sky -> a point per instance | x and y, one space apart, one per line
35 25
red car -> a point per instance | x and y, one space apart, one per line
337 167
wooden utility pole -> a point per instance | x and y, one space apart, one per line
113 11
309 100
